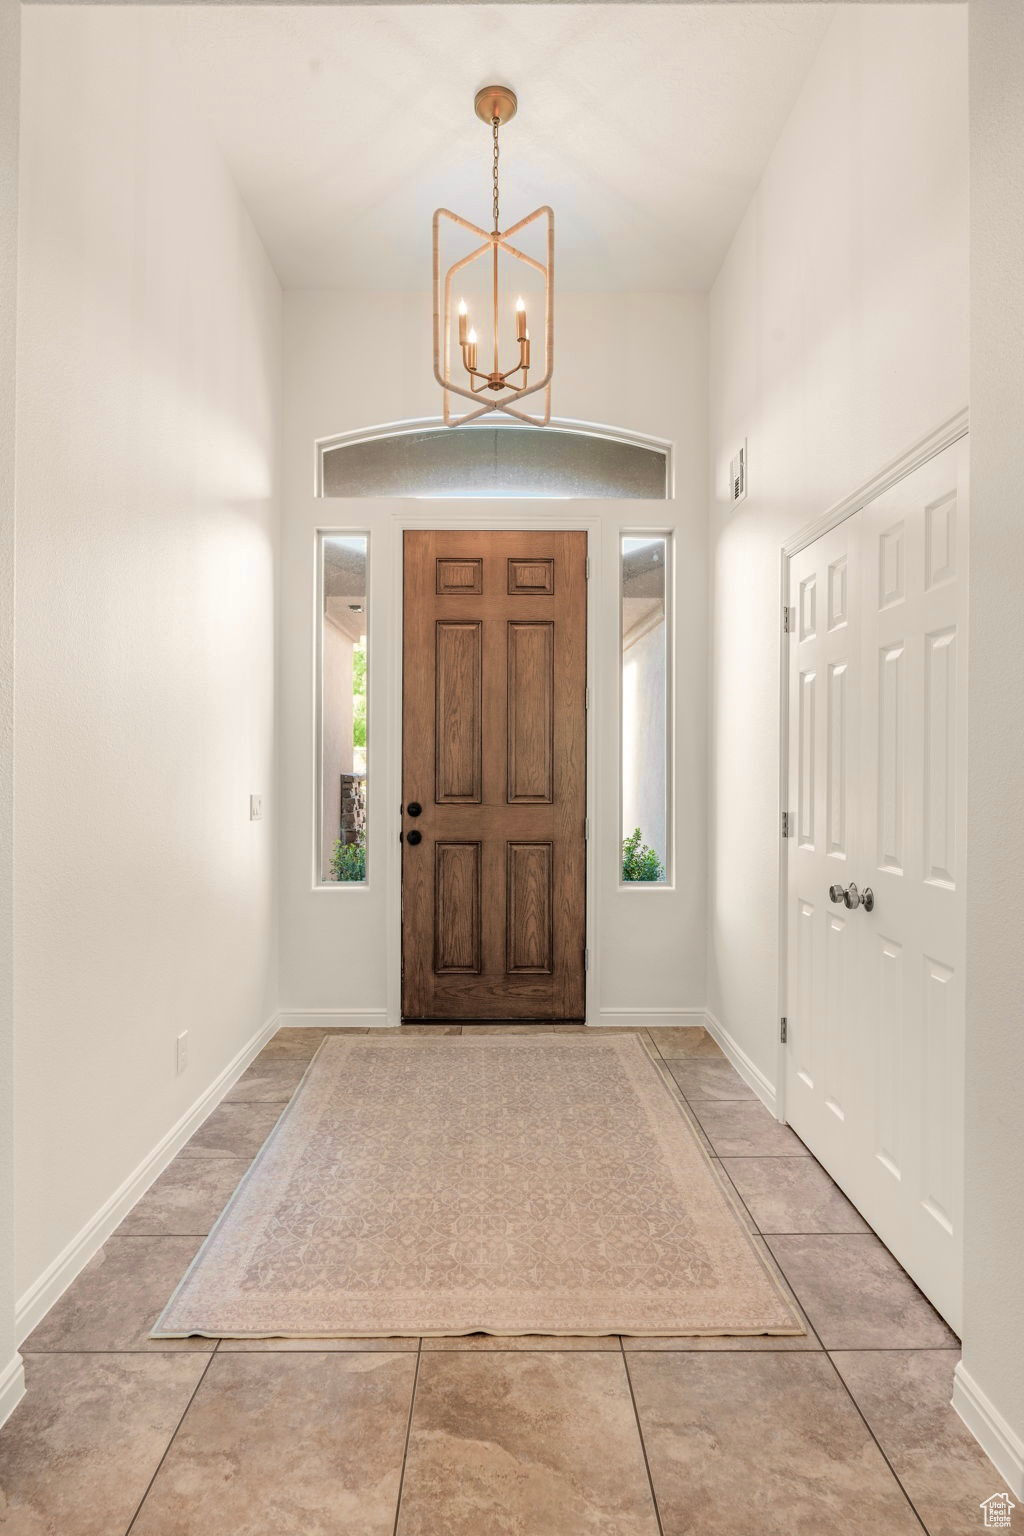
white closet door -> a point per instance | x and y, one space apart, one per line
914 740
824 759
877 771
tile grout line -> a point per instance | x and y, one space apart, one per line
873 1349
856 1406
811 1331
556 1349
881 1450
640 1432
167 1448
830 1232
827 1352
743 1204
408 1437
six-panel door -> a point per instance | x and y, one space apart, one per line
877 739
494 758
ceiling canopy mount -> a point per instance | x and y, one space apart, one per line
496 102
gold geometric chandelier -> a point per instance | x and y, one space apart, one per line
458 333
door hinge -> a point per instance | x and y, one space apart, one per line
586 698
586 959
784 1030
586 569
788 823
788 620
586 830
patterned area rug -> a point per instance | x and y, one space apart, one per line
505 1185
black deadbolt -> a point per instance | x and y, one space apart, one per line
414 837
414 808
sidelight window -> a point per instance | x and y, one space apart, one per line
342 792
645 759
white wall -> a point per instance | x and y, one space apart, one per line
358 360
838 336
148 356
991 1389
11 1371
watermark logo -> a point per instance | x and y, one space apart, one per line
997 1511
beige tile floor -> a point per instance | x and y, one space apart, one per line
846 1430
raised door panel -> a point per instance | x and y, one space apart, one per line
891 566
838 759
940 541
891 756
805 1016
531 705
531 578
840 975
530 922
838 604
886 1023
458 728
939 802
457 909
941 1079
461 578
806 757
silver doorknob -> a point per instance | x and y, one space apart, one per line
851 897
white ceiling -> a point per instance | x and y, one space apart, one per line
646 127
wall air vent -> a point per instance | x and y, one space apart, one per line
738 475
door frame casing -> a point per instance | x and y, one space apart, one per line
927 447
441 521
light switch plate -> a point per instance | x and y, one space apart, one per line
255 807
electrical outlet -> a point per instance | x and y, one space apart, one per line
255 807
181 1056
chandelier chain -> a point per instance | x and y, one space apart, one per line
495 124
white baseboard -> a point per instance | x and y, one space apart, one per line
750 1073
1001 1444
648 1018
33 1306
333 1018
12 1387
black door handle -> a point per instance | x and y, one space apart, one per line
414 837
414 808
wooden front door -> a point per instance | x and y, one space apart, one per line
494 776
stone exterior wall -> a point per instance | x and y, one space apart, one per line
353 808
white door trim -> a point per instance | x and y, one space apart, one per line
897 469
489 522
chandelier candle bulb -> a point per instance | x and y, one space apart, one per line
471 351
520 320
463 322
